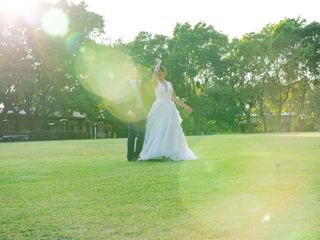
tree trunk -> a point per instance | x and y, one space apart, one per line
317 127
198 126
263 116
278 123
248 119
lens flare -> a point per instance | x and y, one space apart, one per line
73 41
266 218
112 76
55 22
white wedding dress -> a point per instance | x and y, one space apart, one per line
164 137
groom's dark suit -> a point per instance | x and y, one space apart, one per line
137 114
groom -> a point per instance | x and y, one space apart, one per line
137 114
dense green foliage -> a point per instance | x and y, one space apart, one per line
266 81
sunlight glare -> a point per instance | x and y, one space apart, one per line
107 74
55 22
28 10
266 218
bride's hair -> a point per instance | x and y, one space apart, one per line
162 68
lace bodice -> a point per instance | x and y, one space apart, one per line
163 91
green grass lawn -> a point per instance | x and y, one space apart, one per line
242 187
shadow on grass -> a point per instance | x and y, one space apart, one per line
164 159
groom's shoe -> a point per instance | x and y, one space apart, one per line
132 159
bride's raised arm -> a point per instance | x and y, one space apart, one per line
156 69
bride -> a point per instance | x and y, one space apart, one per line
164 137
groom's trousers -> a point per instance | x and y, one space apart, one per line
136 133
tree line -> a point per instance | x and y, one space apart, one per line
263 82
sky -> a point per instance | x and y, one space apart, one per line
124 19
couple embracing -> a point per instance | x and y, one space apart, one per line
160 135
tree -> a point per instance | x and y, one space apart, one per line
145 48
310 69
38 69
244 73
285 51
194 64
